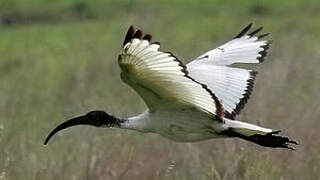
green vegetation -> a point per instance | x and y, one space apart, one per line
59 59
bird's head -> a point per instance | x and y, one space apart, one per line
93 118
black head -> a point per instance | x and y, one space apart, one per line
99 118
93 118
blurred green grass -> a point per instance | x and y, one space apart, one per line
58 59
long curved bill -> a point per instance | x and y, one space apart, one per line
80 120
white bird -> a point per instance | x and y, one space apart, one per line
193 102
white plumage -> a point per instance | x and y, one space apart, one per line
145 68
189 103
244 48
232 86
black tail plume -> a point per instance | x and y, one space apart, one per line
272 139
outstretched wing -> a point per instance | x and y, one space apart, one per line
160 77
243 48
232 86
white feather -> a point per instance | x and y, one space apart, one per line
144 66
230 85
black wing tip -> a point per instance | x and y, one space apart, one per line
147 37
264 52
263 35
255 32
129 35
132 34
265 47
243 31
243 101
137 34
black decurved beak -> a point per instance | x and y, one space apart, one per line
80 120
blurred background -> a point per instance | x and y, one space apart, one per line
58 59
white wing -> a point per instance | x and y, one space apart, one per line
232 86
244 48
161 77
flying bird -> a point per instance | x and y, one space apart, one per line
193 102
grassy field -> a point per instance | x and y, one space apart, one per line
59 59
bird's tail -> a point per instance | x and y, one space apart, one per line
259 135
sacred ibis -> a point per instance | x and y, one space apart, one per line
193 102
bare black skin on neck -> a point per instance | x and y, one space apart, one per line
93 118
